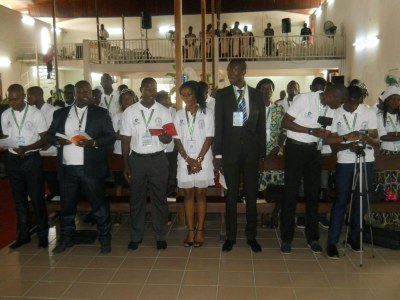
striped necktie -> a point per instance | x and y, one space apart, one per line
242 104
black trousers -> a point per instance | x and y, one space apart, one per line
73 183
26 179
172 171
301 161
248 166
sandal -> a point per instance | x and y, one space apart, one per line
197 243
187 243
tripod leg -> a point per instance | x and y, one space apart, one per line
361 161
353 188
368 208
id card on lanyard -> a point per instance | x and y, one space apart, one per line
108 103
80 120
147 139
238 115
20 140
191 143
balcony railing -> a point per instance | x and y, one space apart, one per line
250 48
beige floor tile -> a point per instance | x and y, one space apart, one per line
62 274
138 262
309 280
337 265
303 266
90 250
14 259
48 289
43 261
388 253
267 253
203 264
356 294
74 261
130 276
23 273
84 291
269 243
171 263
197 292
267 234
105 262
275 279
152 292
386 293
236 278
15 287
175 251
269 265
121 291
346 280
238 252
144 251
301 254
236 293
315 294
95 275
381 280
165 277
206 252
116 251
275 293
236 265
200 278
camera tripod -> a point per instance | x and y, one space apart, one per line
359 178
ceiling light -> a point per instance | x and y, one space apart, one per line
366 43
28 20
5 61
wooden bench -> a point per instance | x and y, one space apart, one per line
215 198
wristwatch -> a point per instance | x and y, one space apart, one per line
310 131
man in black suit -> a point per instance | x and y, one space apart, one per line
82 165
239 147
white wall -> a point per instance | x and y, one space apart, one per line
358 19
13 35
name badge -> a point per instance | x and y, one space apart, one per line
191 147
238 118
20 140
147 140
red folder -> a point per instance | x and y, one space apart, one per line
168 128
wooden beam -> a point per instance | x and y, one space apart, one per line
178 50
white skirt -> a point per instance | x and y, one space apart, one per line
202 179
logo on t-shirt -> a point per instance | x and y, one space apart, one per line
136 121
181 122
158 122
201 124
29 125
308 115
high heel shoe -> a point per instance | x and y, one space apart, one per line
187 243
196 243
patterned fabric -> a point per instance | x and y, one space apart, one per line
273 177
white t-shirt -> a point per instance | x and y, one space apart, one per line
48 111
391 125
33 124
306 109
134 125
72 154
363 118
170 146
117 123
285 103
110 102
203 128
210 102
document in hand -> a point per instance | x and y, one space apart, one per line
168 128
8 143
75 138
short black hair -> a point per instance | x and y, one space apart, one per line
15 87
82 83
35 90
203 86
161 95
241 63
264 81
146 81
355 92
336 89
318 81
69 86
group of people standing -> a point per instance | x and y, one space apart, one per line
232 134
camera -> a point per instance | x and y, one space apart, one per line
360 148
324 121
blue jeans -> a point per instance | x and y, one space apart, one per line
72 184
344 177
26 179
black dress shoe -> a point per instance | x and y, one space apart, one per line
161 245
134 245
254 245
18 243
105 248
62 246
43 242
228 245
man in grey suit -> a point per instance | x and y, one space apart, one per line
239 148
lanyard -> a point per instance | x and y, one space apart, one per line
191 126
146 122
392 124
23 119
108 103
347 122
80 120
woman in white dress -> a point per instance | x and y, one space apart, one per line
195 127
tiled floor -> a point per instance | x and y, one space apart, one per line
203 273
